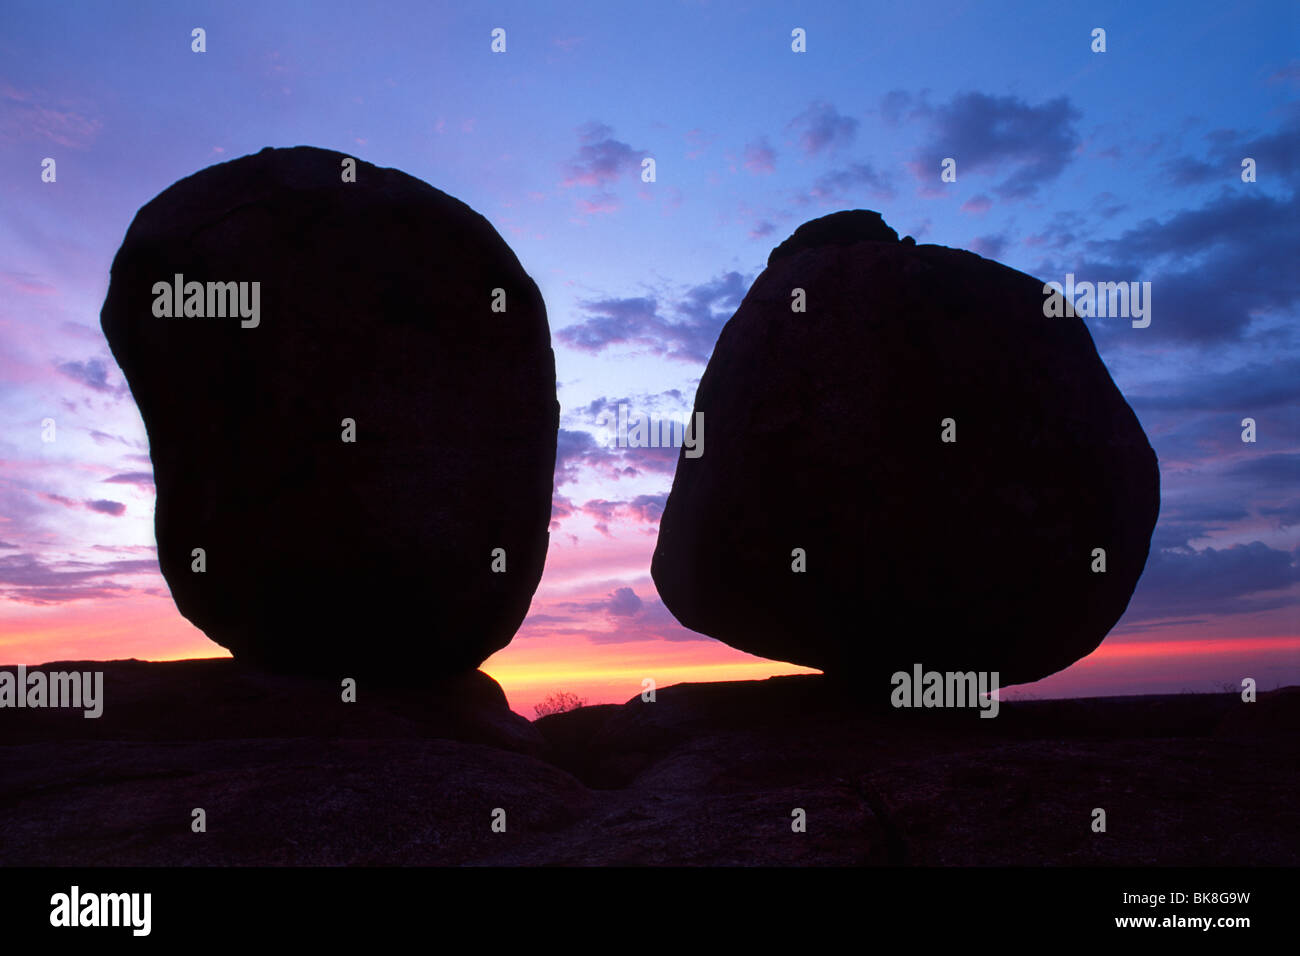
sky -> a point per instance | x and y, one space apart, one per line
1122 165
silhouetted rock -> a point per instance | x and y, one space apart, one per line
1275 714
375 305
845 228
924 787
225 699
707 774
824 434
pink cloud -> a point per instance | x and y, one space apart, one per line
600 159
698 141
101 505
600 204
26 283
22 119
760 157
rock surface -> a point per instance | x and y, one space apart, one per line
845 228
825 434
375 305
224 699
708 774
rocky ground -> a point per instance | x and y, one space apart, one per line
707 774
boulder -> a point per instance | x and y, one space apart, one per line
826 433
379 310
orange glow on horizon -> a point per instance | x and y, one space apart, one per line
1193 647
538 663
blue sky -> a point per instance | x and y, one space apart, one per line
1121 165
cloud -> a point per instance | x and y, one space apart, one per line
630 619
977 205
25 283
1212 269
687 334
848 182
604 411
600 204
1276 154
1062 232
1236 580
699 142
1183 171
600 159
561 508
603 511
141 479
653 621
1107 205
613 321
27 579
821 127
646 509
1252 388
59 499
1030 145
1287 514
1281 468
24 120
990 247
1174 535
100 505
624 603
760 157
92 373
103 438
1186 516
894 104
574 449
580 449
1286 74
577 449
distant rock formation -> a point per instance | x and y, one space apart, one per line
826 431
381 310
706 775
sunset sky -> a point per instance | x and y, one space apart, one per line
1123 165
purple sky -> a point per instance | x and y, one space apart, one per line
1123 165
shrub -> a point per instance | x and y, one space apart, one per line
559 703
